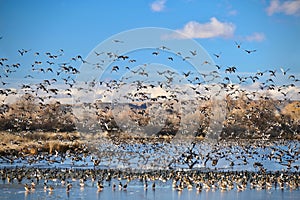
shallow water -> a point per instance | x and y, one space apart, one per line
137 157
231 156
16 191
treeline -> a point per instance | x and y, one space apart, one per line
244 118
28 115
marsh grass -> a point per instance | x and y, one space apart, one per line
31 143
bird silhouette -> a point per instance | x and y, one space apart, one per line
238 44
250 51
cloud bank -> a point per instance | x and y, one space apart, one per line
291 7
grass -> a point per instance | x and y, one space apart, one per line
31 143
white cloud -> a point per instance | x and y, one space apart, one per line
258 37
291 7
211 29
158 5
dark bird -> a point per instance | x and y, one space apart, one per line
260 73
100 186
53 90
118 41
194 53
50 63
186 74
123 57
218 66
69 186
74 70
28 76
238 45
49 69
230 69
284 71
114 187
23 51
272 72
250 51
218 55
115 68
98 54
214 162
292 77
155 53
186 58
125 187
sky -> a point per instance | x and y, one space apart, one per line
269 27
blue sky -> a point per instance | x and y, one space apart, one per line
270 27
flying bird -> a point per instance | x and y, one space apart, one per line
250 51
187 74
194 53
115 68
230 69
164 48
238 45
123 57
170 58
284 71
98 54
272 72
218 55
118 41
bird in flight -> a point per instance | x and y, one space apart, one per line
194 53
164 48
230 69
170 58
187 74
272 72
23 51
205 62
218 55
115 68
123 57
284 71
238 45
250 51
118 41
98 54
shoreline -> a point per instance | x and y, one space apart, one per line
32 143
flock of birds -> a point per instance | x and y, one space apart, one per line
50 180
197 166
50 79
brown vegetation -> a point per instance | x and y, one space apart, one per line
245 118
31 143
